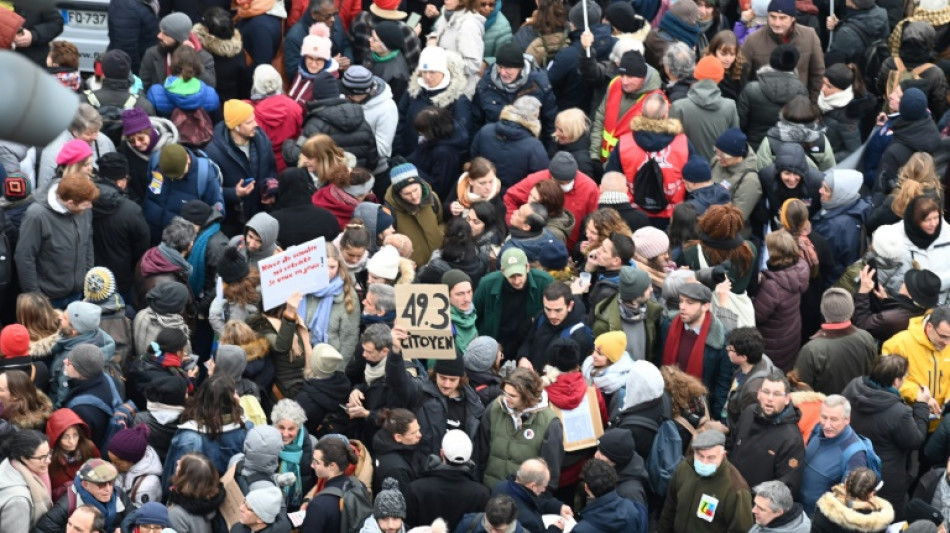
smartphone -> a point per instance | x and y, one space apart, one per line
247 182
413 19
344 407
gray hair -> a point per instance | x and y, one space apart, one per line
179 234
777 494
86 118
837 400
679 60
655 106
379 335
533 471
385 296
287 409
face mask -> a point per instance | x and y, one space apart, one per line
702 469
568 188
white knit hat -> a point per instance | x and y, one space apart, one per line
384 263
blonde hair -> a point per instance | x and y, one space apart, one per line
325 151
917 176
237 333
783 249
344 273
573 122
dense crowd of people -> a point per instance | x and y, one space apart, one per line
695 253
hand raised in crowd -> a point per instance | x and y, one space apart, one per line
587 39
343 61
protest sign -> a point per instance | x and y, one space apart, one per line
230 508
424 311
300 268
582 425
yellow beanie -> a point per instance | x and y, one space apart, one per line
236 112
612 344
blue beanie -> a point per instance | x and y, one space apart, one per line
783 6
152 513
697 170
914 105
733 142
553 257
401 176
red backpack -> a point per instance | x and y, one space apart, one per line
195 128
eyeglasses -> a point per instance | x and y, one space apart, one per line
46 457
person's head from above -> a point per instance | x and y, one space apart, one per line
323 363
922 287
501 513
127 447
633 70
656 107
889 371
782 15
261 507
615 447
458 243
634 289
570 125
216 398
174 161
679 60
88 519
613 182
557 302
514 266
564 355
483 354
731 147
694 303
696 173
358 84
137 130
386 38
407 185
316 48
835 415
354 243
76 192
482 218
609 348
534 475
84 362
784 58
601 224
319 154
745 347
838 77
925 518
456 448
174 29
380 300
377 342
460 289
179 235
530 217
773 395
240 120
521 389
288 417
709 450
510 62
195 477
771 499
152 517
794 216
433 68
186 64
383 266
599 478
837 306
401 424
861 484
86 123
800 110
332 456
63 54
434 123
923 214
482 181
266 80
75 157
114 168
937 328
29 448
724 46
97 477
563 170
651 246
389 507
402 244
324 11
783 249
18 396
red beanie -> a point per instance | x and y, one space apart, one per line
15 341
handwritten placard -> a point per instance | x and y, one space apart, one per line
582 424
230 508
299 268
424 311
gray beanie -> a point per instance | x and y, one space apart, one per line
265 503
837 305
83 316
563 167
168 298
267 81
389 502
633 283
262 448
231 360
87 359
177 26
481 354
576 15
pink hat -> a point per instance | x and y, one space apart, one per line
73 152
318 43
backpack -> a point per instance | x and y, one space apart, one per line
121 415
863 444
900 74
356 505
665 453
648 190
111 114
875 53
544 47
204 166
195 128
566 332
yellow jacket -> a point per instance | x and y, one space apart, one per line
926 366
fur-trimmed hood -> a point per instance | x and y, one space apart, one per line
407 271
666 126
855 515
43 347
533 126
217 46
454 91
806 396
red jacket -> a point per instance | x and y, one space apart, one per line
581 201
336 201
281 118
61 477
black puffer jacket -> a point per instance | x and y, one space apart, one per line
344 122
320 397
45 24
764 448
133 28
790 157
895 429
761 100
444 490
909 137
396 460
120 234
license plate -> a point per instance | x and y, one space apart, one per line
86 19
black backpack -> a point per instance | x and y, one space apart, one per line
111 115
648 190
870 60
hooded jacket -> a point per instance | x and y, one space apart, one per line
261 458
709 114
236 167
16 502
98 421
926 366
777 311
838 513
513 148
393 459
758 48
322 397
266 228
190 95
120 234
733 514
445 490
58 423
857 31
382 115
761 101
231 72
610 512
895 429
143 482
531 508
790 157
842 228
764 448
345 122
705 197
281 118
421 223
55 248
463 33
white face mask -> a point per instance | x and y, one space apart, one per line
567 187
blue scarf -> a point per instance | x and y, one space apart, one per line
290 457
321 317
107 509
494 15
678 29
376 319
197 259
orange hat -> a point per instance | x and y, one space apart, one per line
709 68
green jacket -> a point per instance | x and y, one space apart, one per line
607 318
488 299
723 498
502 447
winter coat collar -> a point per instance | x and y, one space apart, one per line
855 515
217 46
447 96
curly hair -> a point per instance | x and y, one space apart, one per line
918 176
527 383
682 387
607 221
244 292
721 222
728 39
349 302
